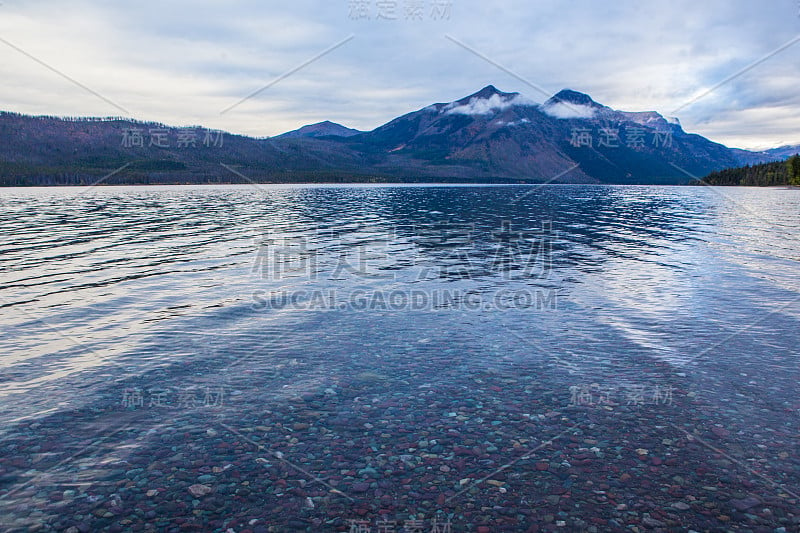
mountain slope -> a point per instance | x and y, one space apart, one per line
320 129
488 136
783 152
53 151
568 138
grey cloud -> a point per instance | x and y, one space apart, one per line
182 62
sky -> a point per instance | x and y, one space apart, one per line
728 69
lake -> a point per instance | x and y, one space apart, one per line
400 358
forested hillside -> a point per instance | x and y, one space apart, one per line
489 136
763 175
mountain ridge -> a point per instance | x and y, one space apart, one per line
325 128
489 135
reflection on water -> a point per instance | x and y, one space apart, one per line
140 308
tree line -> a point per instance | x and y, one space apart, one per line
776 173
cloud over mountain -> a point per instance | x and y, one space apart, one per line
487 136
481 105
564 110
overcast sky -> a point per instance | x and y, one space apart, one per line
188 62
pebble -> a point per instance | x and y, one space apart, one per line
745 503
360 487
652 522
720 432
404 453
199 490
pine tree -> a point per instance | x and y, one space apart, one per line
793 165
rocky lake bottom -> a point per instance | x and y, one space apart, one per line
146 386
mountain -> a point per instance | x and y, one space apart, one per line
57 151
320 129
569 138
568 97
490 135
783 152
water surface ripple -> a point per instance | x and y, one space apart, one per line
341 325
